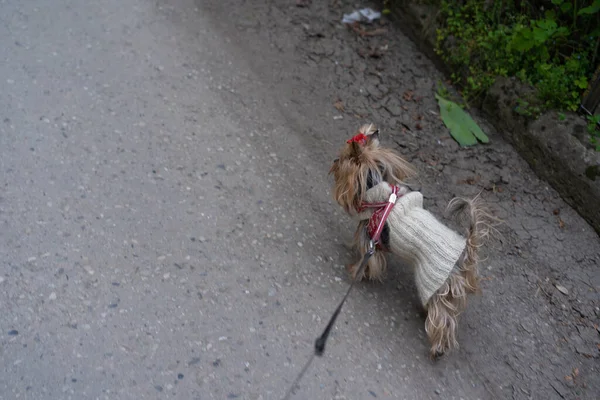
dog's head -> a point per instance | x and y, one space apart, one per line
363 163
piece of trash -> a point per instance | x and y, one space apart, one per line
370 14
462 127
366 14
336 117
562 289
351 18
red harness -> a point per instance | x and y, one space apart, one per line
380 215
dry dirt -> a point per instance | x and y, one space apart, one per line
523 337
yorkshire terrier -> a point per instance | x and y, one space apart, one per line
444 262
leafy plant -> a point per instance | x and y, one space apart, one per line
551 48
525 108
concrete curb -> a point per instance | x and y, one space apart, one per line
553 147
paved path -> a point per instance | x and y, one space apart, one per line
166 228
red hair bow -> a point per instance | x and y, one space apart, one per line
360 138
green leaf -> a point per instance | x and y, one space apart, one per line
562 32
566 7
594 8
582 82
557 2
462 127
551 14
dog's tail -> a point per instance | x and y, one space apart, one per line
480 224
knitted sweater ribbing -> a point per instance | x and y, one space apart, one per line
418 238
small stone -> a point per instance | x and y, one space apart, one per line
166 276
180 376
52 296
438 391
373 91
2 279
562 289
300 244
88 269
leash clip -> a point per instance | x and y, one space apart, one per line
393 198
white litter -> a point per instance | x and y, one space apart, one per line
366 14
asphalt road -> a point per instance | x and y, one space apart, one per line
166 227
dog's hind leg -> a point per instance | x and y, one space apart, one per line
443 310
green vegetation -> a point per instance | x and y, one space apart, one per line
550 44
553 50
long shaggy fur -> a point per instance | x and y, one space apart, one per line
450 300
376 265
480 225
355 164
361 166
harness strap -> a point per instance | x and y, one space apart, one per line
380 215
386 213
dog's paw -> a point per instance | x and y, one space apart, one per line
436 355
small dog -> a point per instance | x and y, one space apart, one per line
445 262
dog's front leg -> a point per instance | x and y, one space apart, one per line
377 263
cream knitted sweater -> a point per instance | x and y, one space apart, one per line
418 238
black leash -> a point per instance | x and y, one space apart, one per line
322 340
